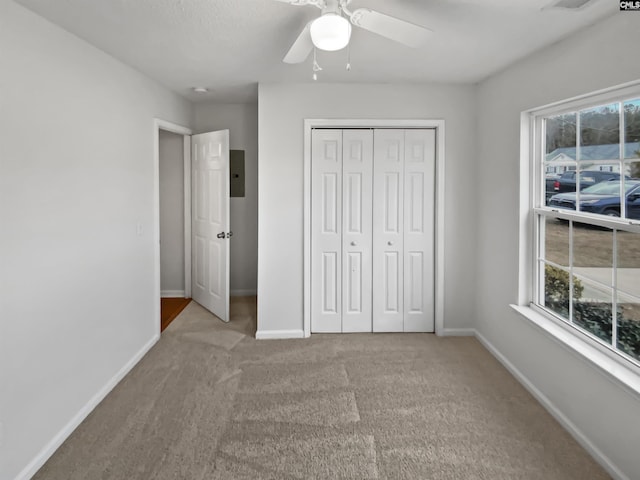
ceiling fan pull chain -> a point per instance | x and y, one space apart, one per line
315 64
349 57
316 67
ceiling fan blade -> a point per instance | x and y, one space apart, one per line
390 27
301 48
300 2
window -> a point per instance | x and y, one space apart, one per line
586 210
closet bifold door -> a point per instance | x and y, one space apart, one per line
357 173
326 231
388 228
372 230
403 230
419 231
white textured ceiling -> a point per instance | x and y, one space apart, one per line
230 45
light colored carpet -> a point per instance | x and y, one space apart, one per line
211 402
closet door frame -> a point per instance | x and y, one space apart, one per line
439 252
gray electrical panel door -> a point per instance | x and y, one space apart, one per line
236 171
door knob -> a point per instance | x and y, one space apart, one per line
389 243
220 235
353 244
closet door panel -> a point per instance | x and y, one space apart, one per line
326 231
419 211
357 172
392 282
388 228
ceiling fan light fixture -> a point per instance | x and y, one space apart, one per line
330 32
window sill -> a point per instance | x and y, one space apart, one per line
627 376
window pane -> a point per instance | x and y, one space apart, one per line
600 190
592 308
633 193
632 128
556 250
556 290
561 137
628 283
565 183
593 252
556 241
629 325
557 176
560 152
628 262
632 169
600 133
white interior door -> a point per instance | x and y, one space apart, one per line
210 223
357 173
326 231
388 228
419 221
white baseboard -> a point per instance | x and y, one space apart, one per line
172 294
569 426
243 293
457 332
275 334
49 449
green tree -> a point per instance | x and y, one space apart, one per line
561 132
600 126
632 123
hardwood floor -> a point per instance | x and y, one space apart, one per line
170 308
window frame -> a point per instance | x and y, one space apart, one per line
533 211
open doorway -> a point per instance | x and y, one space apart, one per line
173 297
173 222
243 215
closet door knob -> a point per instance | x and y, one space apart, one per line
353 244
389 243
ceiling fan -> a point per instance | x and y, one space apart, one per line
331 31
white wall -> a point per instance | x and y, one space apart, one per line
171 153
282 109
242 122
76 179
598 57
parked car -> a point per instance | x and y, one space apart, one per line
602 198
550 179
567 181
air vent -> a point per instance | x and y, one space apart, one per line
570 4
